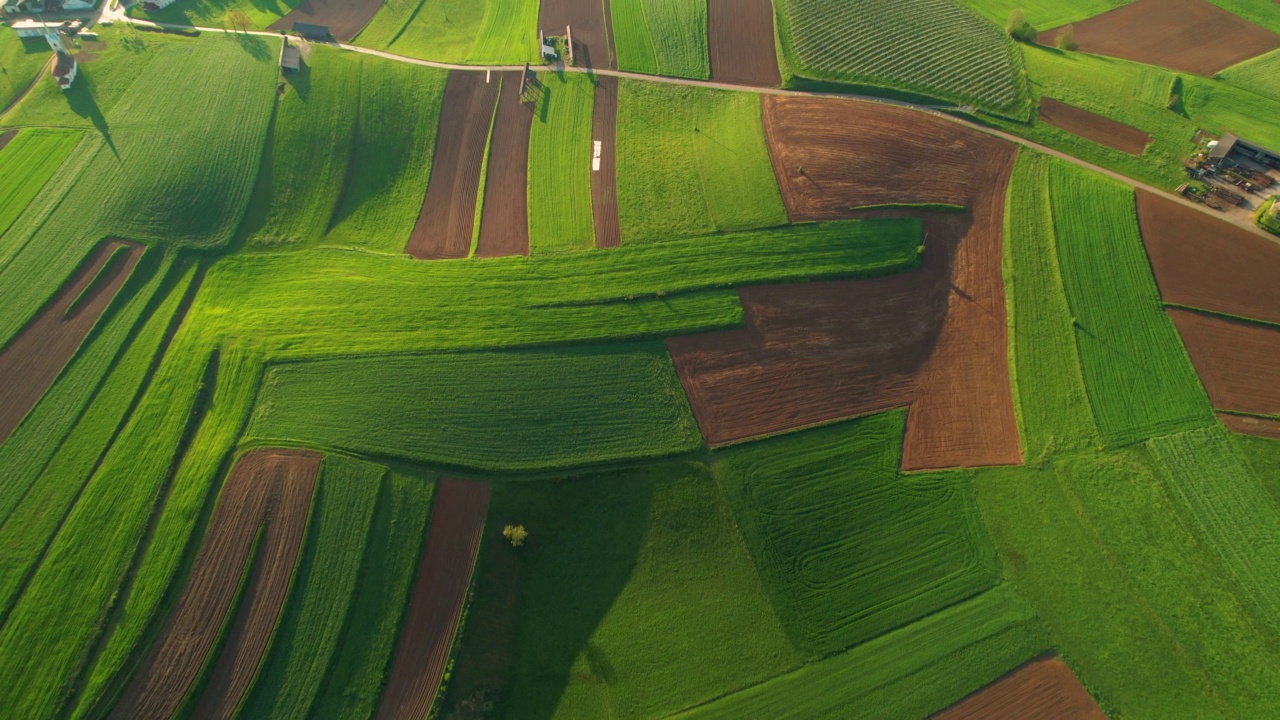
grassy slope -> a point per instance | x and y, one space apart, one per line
692 161
391 158
910 672
26 164
1140 381
458 31
1260 75
1260 13
21 59
1043 14
662 37
323 587
560 211
848 547
362 655
495 411
214 13
301 185
609 622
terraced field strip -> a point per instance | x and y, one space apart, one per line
1188 35
344 18
25 167
447 221
592 29
740 34
504 224
661 37
439 593
260 519
560 149
1236 361
1090 126
604 180
35 357
1262 427
935 339
1043 689
1202 262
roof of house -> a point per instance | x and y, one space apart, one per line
290 58
64 65
320 31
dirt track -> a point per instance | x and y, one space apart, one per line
1097 128
740 33
1237 361
504 226
1188 35
933 339
1202 262
447 221
264 502
1043 689
604 184
1262 427
439 594
34 358
345 18
592 29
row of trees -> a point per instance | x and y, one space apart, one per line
1022 30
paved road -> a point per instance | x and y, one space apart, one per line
118 15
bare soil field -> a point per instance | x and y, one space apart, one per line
504 226
933 339
604 184
1262 427
264 502
439 594
592 29
34 358
345 18
740 33
1097 128
6 136
1189 35
1202 262
447 220
1043 689
1236 360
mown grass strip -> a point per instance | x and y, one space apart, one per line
560 152
26 164
662 37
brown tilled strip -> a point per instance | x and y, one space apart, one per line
740 34
439 593
32 361
264 502
1043 689
344 18
1090 126
447 221
1236 360
504 226
592 29
604 183
1261 427
6 137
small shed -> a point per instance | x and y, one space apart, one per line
312 32
290 58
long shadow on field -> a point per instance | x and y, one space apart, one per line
537 607
80 100
254 45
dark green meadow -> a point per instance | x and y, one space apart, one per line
803 575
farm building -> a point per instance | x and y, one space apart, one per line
290 58
312 32
1231 147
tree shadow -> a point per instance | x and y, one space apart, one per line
254 45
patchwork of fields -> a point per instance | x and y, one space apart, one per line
384 389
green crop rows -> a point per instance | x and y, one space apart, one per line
26 164
559 161
934 48
662 37
458 31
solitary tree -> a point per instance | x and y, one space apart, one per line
239 20
516 534
1067 39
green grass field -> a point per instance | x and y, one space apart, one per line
1264 14
1260 75
1139 378
907 545
21 60
662 37
932 48
26 164
216 13
692 161
456 31
1043 14
559 153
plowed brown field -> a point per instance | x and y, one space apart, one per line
740 33
33 359
264 503
6 136
439 593
604 184
933 339
592 29
1188 35
447 221
1043 689
1262 427
1238 362
504 226
1203 262
345 18
1097 128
